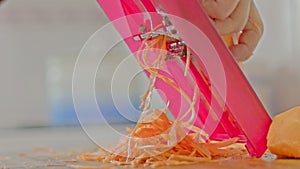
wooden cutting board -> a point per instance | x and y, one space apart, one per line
54 149
246 164
51 159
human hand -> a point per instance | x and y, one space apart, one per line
236 17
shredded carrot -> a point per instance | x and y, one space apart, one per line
151 145
70 161
92 167
156 140
55 165
188 60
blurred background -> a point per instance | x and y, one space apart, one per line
41 39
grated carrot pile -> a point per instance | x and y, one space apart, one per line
161 141
156 140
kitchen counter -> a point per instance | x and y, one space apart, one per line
58 147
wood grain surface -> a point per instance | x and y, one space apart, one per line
52 148
52 159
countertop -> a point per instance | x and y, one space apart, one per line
58 147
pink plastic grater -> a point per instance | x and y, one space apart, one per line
228 106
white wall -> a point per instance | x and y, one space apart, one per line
32 32
274 69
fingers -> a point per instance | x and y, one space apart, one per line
236 21
219 9
250 36
235 16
